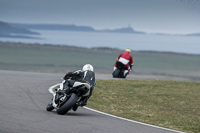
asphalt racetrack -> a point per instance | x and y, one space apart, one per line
23 100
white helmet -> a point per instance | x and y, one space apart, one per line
88 67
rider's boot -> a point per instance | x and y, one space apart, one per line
82 102
75 107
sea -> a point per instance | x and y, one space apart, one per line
136 42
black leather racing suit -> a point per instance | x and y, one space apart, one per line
84 77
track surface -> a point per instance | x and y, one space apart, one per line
23 100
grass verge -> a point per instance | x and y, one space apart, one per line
58 58
170 104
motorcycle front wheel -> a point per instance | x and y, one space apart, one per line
68 104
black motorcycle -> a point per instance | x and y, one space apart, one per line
119 72
66 97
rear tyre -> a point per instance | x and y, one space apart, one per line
68 105
116 73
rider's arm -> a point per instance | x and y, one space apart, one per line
119 56
67 75
131 62
70 74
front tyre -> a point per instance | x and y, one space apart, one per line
68 105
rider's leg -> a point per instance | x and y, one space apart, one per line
126 72
82 101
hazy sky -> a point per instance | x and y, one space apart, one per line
153 16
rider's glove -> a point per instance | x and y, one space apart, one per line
67 75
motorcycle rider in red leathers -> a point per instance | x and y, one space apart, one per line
126 59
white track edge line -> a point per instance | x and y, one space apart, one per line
132 120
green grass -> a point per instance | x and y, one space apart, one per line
178 64
54 58
170 104
30 57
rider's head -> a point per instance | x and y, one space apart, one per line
128 50
88 67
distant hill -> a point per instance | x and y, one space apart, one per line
54 27
194 34
7 29
73 28
124 30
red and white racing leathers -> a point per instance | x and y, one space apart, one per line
127 59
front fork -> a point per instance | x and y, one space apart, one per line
53 89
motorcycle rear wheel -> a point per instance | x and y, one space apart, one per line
68 104
116 73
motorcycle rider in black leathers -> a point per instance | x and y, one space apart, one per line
86 75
